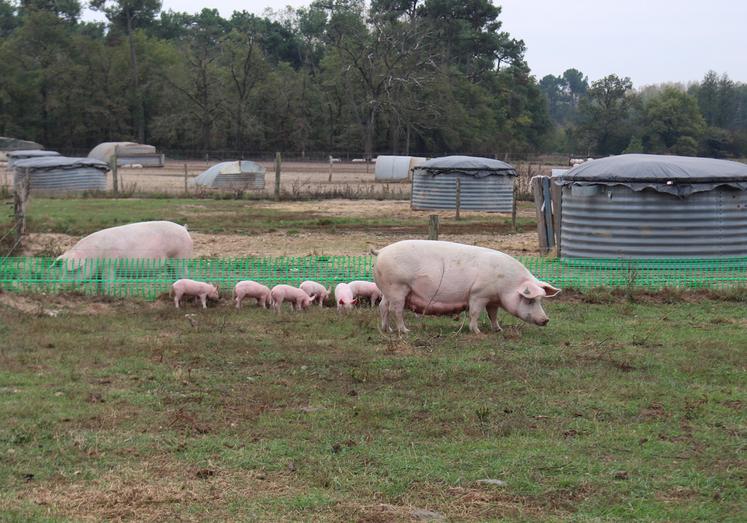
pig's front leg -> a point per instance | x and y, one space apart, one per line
176 300
493 315
476 306
203 299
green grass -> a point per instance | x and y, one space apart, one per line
614 411
84 216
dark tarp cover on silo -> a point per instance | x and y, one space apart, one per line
676 175
467 165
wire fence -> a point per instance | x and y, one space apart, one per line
148 279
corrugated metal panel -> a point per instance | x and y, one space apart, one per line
491 193
68 180
246 181
617 222
395 168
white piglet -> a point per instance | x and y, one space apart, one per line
202 290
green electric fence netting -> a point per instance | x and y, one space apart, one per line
150 278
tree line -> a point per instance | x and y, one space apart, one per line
707 118
388 76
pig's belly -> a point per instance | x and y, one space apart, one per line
422 306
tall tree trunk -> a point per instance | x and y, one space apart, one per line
369 133
139 107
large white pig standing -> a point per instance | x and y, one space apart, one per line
435 277
160 240
154 240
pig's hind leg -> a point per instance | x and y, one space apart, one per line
396 302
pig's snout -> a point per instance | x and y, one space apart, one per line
543 322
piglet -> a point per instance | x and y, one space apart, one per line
316 291
365 289
344 297
185 287
252 289
298 298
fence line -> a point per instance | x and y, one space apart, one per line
148 279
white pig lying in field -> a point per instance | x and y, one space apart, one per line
435 277
202 290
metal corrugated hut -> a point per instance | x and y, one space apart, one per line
25 154
485 184
62 174
243 175
649 206
128 153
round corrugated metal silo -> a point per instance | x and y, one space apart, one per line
648 206
485 184
62 174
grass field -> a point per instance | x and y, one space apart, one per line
617 410
84 216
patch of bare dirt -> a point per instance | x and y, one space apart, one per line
154 491
56 304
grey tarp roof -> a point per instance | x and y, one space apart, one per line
677 175
469 165
30 153
49 163
13 144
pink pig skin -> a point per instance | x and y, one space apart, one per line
298 298
316 291
435 277
252 289
153 240
185 287
344 297
365 289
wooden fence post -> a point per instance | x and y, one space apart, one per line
547 203
513 210
536 183
115 177
330 169
458 196
186 189
556 192
20 199
433 227
278 163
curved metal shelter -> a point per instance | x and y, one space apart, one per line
242 174
485 184
61 174
651 206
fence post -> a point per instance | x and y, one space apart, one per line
557 212
536 183
186 189
20 198
547 201
330 169
278 162
433 227
115 177
458 196
513 210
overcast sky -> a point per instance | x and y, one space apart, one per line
651 41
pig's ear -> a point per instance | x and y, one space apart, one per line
531 290
550 291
